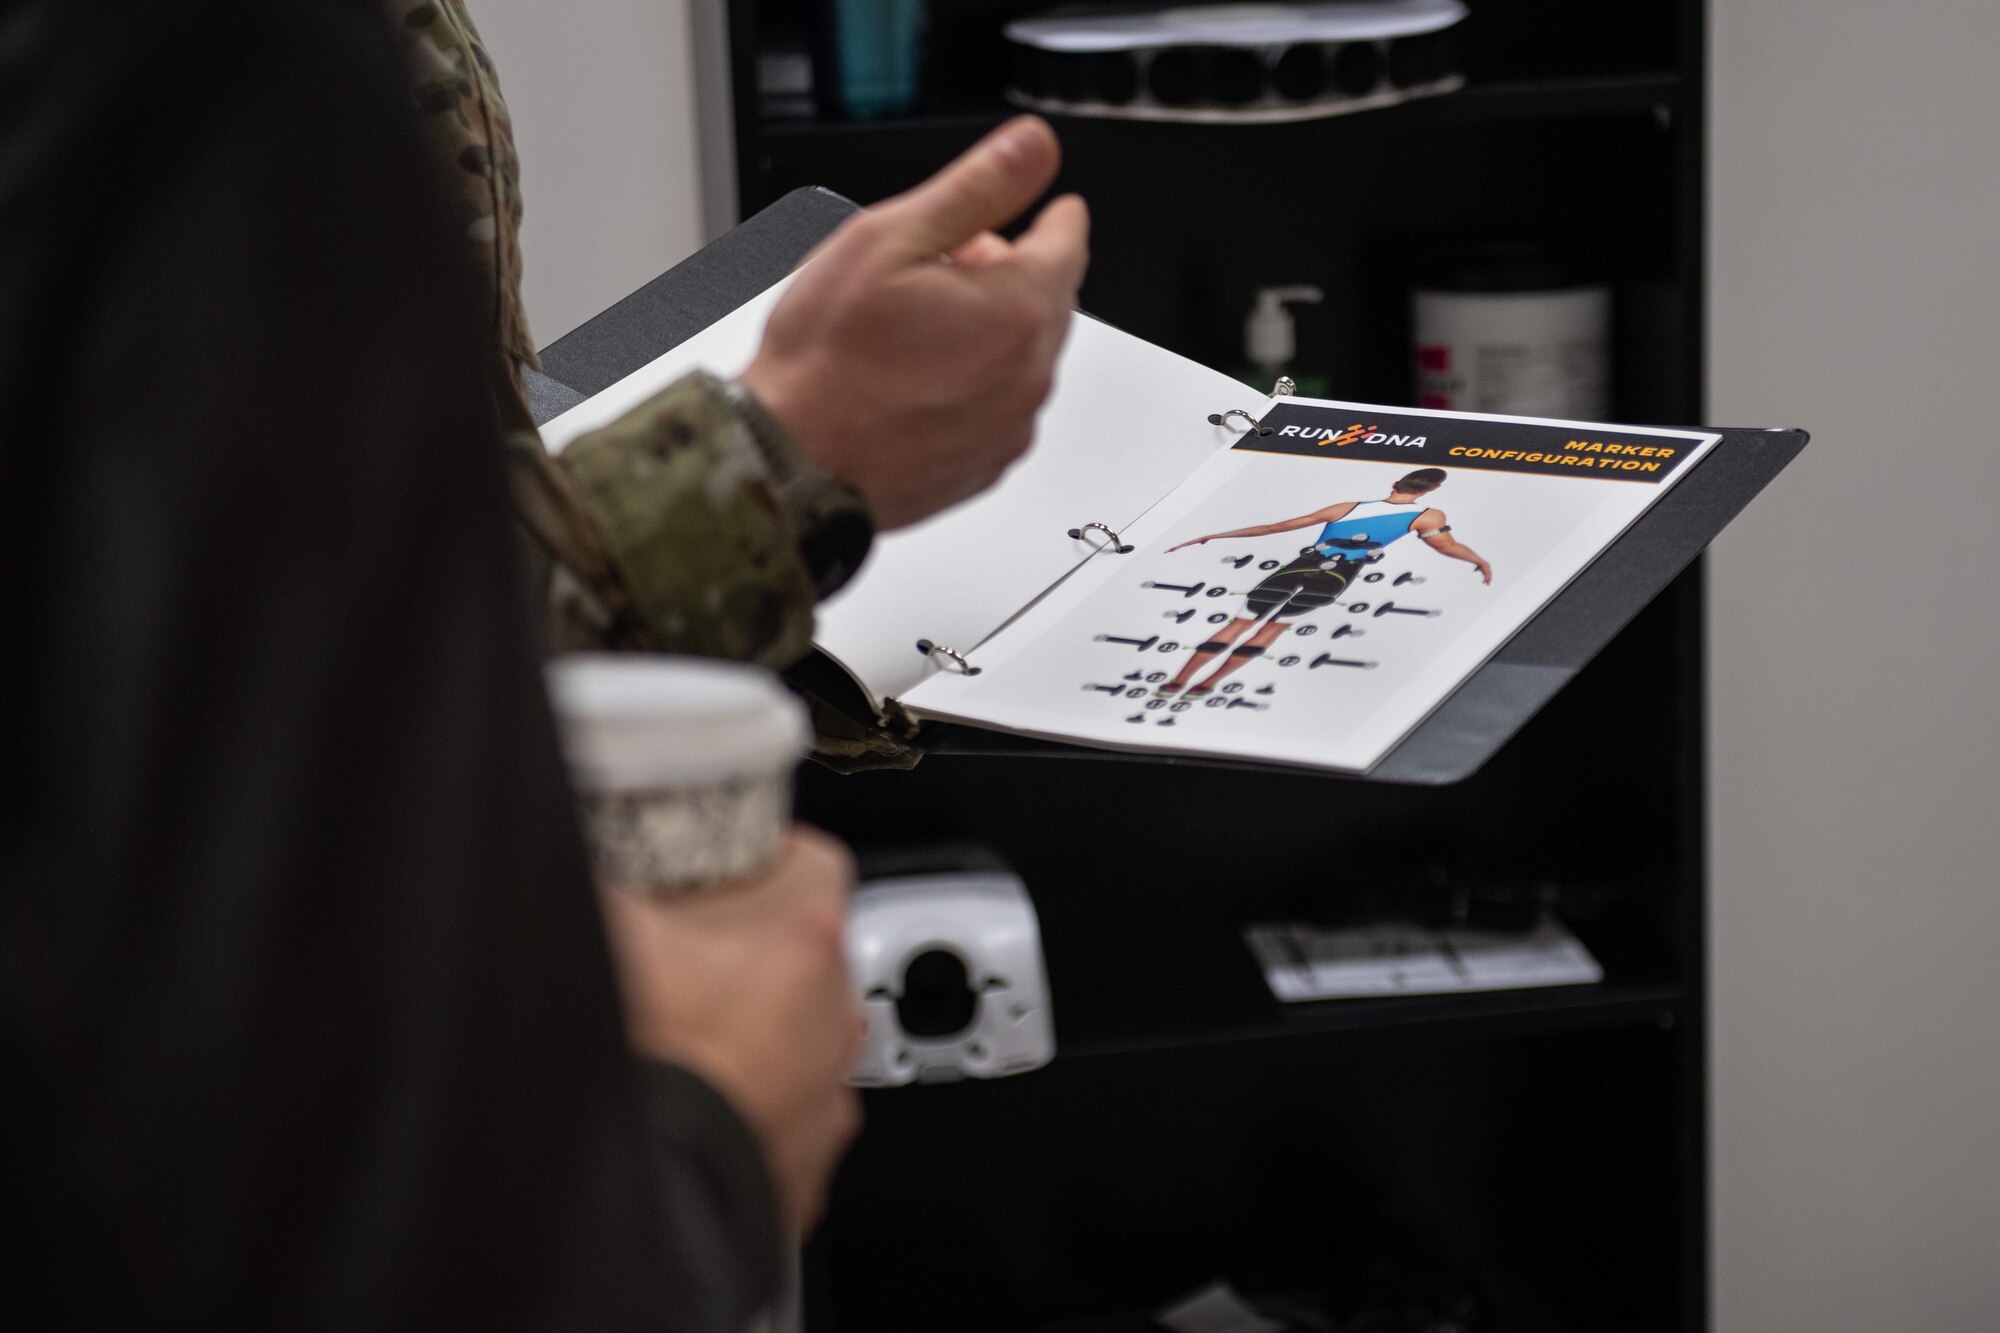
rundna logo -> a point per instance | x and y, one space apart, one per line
1355 434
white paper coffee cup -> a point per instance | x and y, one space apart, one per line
682 766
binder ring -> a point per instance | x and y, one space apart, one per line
1118 545
937 650
1222 419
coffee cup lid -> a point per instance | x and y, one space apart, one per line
642 720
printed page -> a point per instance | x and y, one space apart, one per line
1312 594
1126 423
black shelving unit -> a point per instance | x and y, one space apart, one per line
1548 1146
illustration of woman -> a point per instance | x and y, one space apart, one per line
1353 534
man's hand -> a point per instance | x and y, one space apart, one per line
910 356
749 988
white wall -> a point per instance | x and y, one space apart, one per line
602 93
1856 668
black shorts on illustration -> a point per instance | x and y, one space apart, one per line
1307 584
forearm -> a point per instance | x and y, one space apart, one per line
1460 551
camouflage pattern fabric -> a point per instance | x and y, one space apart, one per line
701 548
458 97
667 529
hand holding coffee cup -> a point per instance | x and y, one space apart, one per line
682 766
683 773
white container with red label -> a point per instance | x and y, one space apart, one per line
1490 337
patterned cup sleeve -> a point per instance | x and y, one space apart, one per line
676 841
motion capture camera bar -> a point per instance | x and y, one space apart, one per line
1249 64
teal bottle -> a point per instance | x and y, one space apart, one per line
878 42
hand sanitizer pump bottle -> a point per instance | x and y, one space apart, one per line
1270 341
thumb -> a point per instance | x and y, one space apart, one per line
984 188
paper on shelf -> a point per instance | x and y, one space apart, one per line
1392 958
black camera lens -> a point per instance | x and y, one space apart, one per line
1174 77
1237 77
1357 68
1300 74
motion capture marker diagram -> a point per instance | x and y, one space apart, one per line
1328 659
1406 578
1289 659
1391 609
1375 576
1356 608
1136 692
1346 632
1184 589
1152 677
1154 704
1181 706
1238 561
1218 617
1306 631
1218 592
1170 646
1178 617
1141 644
1233 687
1267 564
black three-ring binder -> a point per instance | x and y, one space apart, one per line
1451 744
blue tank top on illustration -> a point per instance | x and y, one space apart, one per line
1368 527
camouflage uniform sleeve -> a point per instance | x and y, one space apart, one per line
472 136
676 528
694 550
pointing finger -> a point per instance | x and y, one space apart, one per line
984 188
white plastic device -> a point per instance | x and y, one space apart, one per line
949 968
1235 24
